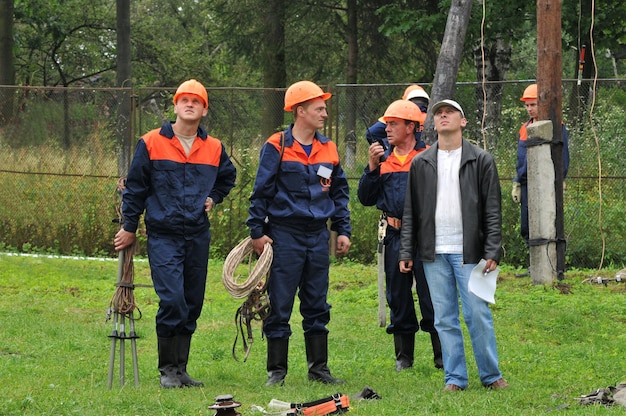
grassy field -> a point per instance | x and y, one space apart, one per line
556 343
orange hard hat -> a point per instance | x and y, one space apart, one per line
193 87
405 110
302 91
410 88
530 93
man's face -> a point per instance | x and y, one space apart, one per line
398 131
448 119
531 108
190 107
313 113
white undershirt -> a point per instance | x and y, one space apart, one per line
448 216
186 142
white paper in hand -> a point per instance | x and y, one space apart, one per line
483 286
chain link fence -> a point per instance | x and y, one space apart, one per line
63 150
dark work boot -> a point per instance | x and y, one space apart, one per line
184 343
168 362
317 359
277 353
437 357
404 345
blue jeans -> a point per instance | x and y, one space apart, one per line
448 278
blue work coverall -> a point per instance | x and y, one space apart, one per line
172 188
294 196
385 187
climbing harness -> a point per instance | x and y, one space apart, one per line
256 307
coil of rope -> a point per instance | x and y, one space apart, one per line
257 275
256 307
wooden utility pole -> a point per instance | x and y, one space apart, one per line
549 57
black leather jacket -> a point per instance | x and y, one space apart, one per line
480 206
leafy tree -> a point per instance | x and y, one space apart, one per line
61 43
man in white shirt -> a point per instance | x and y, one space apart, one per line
450 236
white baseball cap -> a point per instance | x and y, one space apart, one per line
449 103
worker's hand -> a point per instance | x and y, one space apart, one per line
516 193
208 204
123 239
258 244
490 266
406 266
343 245
376 151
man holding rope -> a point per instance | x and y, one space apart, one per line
299 186
178 174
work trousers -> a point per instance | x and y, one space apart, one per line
300 265
399 291
179 268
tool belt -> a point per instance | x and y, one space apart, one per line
331 405
393 222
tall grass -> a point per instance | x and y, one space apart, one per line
555 344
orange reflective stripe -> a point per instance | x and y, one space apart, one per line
320 152
204 152
393 164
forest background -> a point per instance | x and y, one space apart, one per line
63 69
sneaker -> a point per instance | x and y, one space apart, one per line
499 384
452 387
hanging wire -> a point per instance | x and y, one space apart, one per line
595 134
482 57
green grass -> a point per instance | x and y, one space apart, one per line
555 343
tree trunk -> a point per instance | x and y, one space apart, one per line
492 63
124 80
7 71
449 59
274 71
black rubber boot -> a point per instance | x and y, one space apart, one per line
168 362
184 344
317 359
404 345
277 353
438 359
